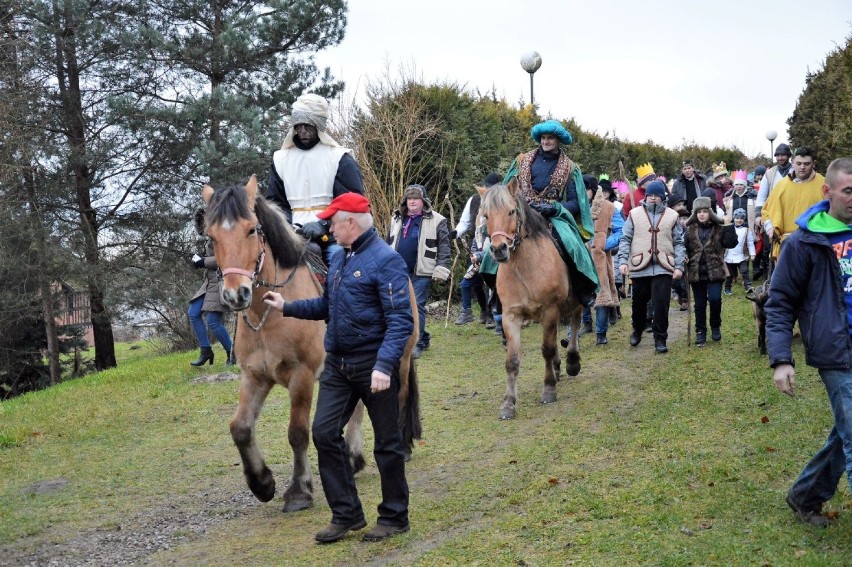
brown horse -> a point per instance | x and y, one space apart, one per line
257 250
532 283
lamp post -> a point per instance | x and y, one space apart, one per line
771 135
530 62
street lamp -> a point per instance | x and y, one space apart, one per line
530 62
771 135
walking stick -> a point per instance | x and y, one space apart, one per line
688 310
456 259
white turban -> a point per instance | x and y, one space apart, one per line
309 109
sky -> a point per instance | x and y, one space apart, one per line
720 74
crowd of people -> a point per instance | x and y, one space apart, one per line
648 239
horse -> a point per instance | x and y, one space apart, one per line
533 283
245 230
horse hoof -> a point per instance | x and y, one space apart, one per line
548 398
573 370
297 504
358 463
507 414
263 486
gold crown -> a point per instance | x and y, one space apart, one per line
644 170
720 169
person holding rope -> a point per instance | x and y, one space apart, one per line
367 306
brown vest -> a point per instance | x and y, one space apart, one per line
650 242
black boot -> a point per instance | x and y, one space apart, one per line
206 354
231 358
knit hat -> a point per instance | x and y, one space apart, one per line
760 170
740 214
703 203
657 188
783 150
553 127
313 110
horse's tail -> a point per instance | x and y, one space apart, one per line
409 412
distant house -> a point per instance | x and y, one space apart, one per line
74 309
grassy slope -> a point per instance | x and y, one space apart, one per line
644 459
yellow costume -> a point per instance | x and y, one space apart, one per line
788 200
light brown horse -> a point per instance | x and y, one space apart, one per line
532 283
257 250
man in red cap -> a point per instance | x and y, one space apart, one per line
367 307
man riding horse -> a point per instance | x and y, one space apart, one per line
549 180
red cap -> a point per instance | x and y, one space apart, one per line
349 202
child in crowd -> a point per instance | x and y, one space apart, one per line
705 241
678 203
737 258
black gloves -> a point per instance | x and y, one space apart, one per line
453 235
545 209
313 231
198 261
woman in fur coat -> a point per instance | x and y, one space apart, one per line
706 240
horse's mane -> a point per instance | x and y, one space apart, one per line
231 204
498 197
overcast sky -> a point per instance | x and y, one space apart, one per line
719 73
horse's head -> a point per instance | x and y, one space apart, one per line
505 215
238 241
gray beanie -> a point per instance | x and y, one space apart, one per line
740 214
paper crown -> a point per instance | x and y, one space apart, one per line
644 170
720 169
603 176
621 186
740 175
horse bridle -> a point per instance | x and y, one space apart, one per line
253 276
514 239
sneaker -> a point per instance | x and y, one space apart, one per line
335 532
716 334
649 328
728 291
490 323
483 317
700 338
635 338
465 317
585 329
382 531
812 517
660 346
602 340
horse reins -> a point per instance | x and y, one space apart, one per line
253 276
515 239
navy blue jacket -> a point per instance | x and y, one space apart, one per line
806 285
366 304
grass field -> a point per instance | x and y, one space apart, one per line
677 459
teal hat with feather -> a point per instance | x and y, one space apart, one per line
553 127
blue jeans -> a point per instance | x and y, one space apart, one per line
706 292
214 323
601 320
468 288
341 386
421 292
818 481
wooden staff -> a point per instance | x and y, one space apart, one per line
449 203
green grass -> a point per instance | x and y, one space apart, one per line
644 459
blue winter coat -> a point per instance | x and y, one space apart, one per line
366 304
806 285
